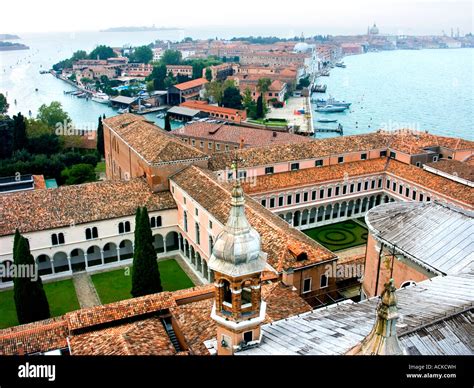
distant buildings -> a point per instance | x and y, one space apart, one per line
183 70
190 90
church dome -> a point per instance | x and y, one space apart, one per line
301 47
237 250
374 30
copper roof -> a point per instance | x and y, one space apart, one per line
43 209
281 242
151 142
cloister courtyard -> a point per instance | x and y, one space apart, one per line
107 287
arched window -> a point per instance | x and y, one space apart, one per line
61 238
227 293
127 226
158 221
246 295
95 232
88 234
121 228
152 222
54 239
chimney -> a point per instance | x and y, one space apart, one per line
241 143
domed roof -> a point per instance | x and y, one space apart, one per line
301 47
374 30
237 250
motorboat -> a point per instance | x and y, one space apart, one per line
332 101
327 121
330 109
101 98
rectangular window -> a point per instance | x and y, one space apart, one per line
305 197
209 145
289 200
242 174
196 211
210 224
400 189
329 192
359 186
421 197
201 144
198 233
295 166
248 337
269 170
230 175
414 195
344 190
428 199
321 194
313 195
363 156
383 154
352 188
366 185
264 202
394 186
272 202
407 192
393 155
388 183
372 186
337 190
218 146
297 198
318 163
340 159
324 281
380 183
280 201
307 285
193 142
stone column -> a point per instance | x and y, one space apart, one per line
102 256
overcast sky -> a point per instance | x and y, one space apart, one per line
282 17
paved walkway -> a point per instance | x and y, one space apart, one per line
85 290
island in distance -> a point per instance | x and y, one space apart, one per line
8 46
8 37
139 29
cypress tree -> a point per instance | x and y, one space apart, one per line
100 138
167 123
260 107
146 275
30 299
20 140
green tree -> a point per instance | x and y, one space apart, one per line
146 275
20 140
167 123
232 98
102 52
158 76
30 299
53 115
249 104
79 173
142 54
263 84
78 55
260 110
171 57
100 138
208 74
3 104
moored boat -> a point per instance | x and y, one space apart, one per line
330 109
101 98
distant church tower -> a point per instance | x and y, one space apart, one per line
237 262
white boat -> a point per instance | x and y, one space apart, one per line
101 97
331 109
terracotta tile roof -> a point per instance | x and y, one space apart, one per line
282 302
276 85
312 176
67 205
191 84
403 141
143 337
196 325
128 308
436 183
281 242
199 105
454 167
300 151
41 336
252 137
149 141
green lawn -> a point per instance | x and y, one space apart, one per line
61 297
339 236
116 285
269 122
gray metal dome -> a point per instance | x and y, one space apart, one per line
237 250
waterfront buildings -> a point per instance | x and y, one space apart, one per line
190 90
219 113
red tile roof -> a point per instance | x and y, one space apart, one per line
35 210
201 105
252 137
191 84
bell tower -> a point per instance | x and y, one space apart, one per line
237 262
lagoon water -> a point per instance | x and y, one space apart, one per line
427 89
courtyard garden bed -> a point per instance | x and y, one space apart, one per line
343 235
